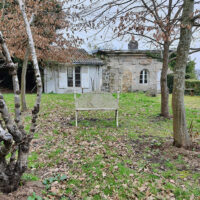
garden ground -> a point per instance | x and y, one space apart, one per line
99 161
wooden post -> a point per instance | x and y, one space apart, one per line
75 95
117 122
76 112
76 116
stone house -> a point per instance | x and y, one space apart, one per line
108 70
130 70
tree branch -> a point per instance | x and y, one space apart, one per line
13 71
13 130
195 17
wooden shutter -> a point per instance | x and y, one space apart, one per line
62 79
85 77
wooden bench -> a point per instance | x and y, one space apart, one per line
96 101
190 90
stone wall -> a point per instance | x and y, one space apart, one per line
122 72
106 79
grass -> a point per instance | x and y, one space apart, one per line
100 161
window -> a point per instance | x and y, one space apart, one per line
74 76
144 76
78 77
70 76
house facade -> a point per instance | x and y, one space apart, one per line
108 70
80 76
130 70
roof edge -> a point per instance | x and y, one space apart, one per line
127 52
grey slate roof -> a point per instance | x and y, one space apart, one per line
81 57
89 61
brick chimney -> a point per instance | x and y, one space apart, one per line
133 44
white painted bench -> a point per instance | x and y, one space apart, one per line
96 101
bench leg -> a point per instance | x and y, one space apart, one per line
76 117
116 118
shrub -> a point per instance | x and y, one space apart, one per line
191 83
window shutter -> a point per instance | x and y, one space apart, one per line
62 79
85 77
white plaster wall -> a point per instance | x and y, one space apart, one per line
55 80
49 80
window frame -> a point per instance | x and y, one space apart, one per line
144 76
74 77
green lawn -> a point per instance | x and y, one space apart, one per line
99 161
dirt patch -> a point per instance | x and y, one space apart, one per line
158 118
161 151
70 121
27 189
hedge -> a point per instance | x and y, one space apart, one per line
189 83
195 84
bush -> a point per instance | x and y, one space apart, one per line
191 83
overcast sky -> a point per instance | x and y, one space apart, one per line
92 42
117 44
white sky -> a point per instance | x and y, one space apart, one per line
117 44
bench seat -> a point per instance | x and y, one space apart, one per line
96 101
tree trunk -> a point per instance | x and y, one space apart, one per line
181 135
163 82
12 134
23 81
13 137
35 66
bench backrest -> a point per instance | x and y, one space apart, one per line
97 101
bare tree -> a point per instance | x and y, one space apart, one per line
155 21
13 138
160 22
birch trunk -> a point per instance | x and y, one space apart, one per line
181 135
23 81
163 82
23 75
35 65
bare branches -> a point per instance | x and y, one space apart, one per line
5 136
18 133
13 71
10 125
194 50
7 139
195 17
196 24
148 37
157 19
